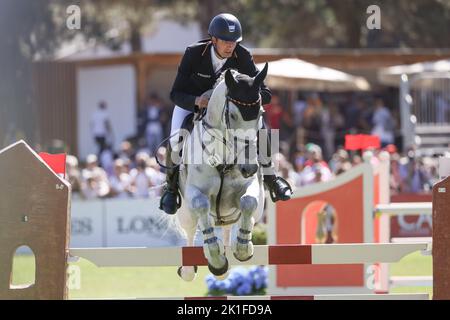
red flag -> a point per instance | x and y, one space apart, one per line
361 141
371 142
353 141
55 161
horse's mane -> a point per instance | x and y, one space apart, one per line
234 72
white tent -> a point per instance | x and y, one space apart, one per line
296 74
428 70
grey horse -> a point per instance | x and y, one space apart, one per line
221 182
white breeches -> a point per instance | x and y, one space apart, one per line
177 120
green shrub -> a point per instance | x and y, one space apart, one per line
259 236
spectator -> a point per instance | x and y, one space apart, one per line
331 121
153 125
120 181
383 124
339 161
288 173
107 160
287 131
298 110
95 182
140 180
73 174
356 160
316 170
101 128
442 109
126 152
157 178
274 112
356 116
413 174
312 120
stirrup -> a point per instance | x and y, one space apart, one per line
276 197
177 195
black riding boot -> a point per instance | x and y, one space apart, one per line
171 199
279 188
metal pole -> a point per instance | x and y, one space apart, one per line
405 113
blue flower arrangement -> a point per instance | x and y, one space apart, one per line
240 282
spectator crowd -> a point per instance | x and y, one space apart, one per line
311 133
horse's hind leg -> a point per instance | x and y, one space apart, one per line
189 223
213 247
243 245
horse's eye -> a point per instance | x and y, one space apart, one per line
233 116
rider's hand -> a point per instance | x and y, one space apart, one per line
201 102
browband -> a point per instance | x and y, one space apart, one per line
244 103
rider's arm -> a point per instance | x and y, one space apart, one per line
178 93
248 67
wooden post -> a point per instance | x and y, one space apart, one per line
34 211
441 240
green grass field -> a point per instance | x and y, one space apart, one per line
164 282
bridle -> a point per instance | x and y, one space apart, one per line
225 140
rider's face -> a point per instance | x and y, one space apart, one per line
224 48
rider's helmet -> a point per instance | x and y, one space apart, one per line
226 27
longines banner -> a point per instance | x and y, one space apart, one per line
122 223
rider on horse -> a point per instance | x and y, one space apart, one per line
200 67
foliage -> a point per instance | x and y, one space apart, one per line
259 234
240 282
333 23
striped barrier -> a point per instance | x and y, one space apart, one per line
263 255
394 296
410 296
45 229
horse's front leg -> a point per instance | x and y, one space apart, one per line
213 247
248 204
188 222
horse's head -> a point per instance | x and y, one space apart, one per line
244 115
244 93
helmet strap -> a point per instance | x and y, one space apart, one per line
215 50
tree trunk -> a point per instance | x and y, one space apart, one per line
136 40
207 9
350 14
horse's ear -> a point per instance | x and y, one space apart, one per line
230 81
261 75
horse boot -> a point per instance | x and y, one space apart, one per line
171 199
279 188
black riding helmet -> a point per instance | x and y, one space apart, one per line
226 27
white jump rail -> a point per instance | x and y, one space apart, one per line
411 281
404 208
263 255
384 296
392 296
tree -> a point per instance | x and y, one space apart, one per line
26 29
333 23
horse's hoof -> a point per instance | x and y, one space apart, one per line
192 277
220 271
243 260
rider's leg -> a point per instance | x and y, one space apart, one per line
171 200
279 188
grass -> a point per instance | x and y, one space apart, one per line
414 264
164 281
